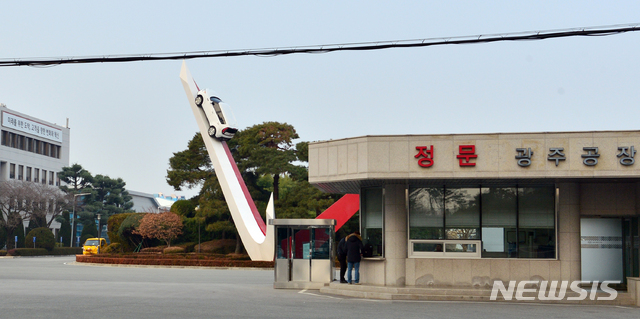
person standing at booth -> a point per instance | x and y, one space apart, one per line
354 255
342 258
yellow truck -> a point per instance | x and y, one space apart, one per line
93 246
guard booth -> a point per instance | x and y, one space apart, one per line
303 252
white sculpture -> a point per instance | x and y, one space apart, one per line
257 237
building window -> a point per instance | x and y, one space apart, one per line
30 144
536 223
12 171
510 222
36 175
426 213
462 218
20 172
44 176
5 138
371 219
28 174
51 177
22 144
499 221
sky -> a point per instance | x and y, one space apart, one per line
127 119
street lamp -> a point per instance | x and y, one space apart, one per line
74 215
99 234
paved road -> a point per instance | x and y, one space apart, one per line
56 287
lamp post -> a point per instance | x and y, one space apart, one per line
99 234
74 215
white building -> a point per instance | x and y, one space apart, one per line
156 203
31 149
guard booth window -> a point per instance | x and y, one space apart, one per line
303 252
371 219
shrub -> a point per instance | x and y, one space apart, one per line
125 231
44 238
3 252
220 246
188 247
157 249
114 248
173 250
113 225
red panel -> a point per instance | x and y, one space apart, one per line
342 210
252 205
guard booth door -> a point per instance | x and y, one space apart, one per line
304 254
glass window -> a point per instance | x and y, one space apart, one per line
302 243
51 177
12 171
44 176
20 172
28 174
426 213
462 219
36 175
5 135
321 243
511 222
499 210
536 234
372 219
283 243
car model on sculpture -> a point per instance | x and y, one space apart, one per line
93 246
221 121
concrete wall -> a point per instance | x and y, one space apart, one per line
393 157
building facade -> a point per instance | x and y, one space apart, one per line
32 150
467 210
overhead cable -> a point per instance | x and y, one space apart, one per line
363 46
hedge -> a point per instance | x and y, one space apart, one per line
174 260
57 251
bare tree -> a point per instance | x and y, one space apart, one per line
44 202
21 200
12 199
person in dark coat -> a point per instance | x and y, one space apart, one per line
342 258
354 255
